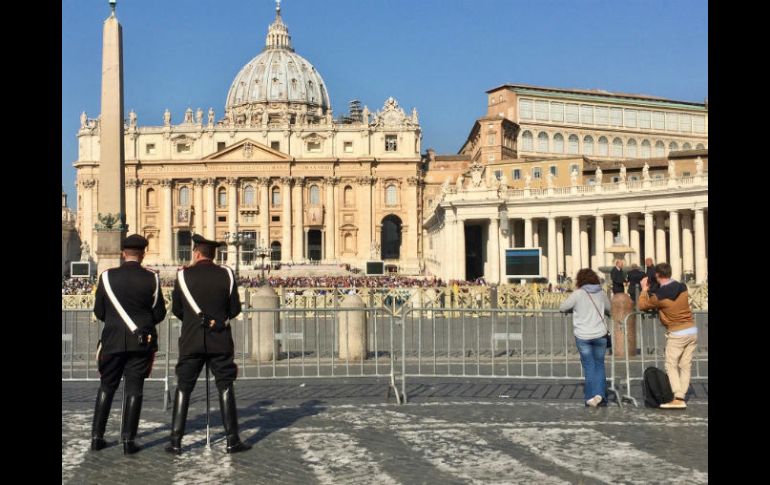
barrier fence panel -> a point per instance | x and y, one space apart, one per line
521 344
651 348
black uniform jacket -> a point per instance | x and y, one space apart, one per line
138 291
211 288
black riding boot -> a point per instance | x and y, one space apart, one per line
230 420
101 413
181 403
131 412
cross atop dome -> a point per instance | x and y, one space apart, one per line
278 33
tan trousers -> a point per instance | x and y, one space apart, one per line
679 352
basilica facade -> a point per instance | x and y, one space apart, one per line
278 168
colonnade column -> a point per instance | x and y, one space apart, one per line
660 238
624 234
585 256
528 232
552 266
600 238
493 251
700 247
575 245
608 242
649 236
559 247
687 253
633 222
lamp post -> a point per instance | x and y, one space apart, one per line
262 252
237 238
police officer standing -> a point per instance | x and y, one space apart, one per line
205 298
129 302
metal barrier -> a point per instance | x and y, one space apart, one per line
473 343
651 342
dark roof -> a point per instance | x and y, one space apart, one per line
628 162
595 92
440 158
689 153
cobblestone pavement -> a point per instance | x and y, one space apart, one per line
351 433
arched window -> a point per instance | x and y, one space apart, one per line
248 196
588 145
646 149
699 146
276 197
686 146
558 143
390 195
673 146
542 142
631 148
660 149
315 195
603 146
572 144
526 141
222 197
150 198
184 196
617 147
348 196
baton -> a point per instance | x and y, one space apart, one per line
208 406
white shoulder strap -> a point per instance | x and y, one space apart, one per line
130 323
187 294
157 290
232 279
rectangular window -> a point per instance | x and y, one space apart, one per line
149 149
685 174
658 120
348 147
630 118
699 124
275 145
672 122
516 174
275 218
553 170
391 143
586 114
685 123
491 139
541 110
536 173
183 147
220 146
314 146
525 109
573 168
602 115
557 111
616 117
498 174
221 218
644 119
572 115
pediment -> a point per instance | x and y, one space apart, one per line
247 150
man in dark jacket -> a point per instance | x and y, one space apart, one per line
210 299
652 281
129 302
634 279
618 277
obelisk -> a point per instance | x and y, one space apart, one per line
112 196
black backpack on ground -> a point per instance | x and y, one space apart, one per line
656 388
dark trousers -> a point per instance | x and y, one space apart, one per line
189 367
137 366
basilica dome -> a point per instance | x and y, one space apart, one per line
278 79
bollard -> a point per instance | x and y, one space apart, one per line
622 306
263 325
351 329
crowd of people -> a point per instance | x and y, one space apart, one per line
392 281
76 286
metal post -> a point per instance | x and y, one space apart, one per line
208 408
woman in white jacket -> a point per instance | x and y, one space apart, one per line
588 305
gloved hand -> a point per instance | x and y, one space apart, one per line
143 336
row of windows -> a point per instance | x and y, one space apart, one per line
311 146
603 148
587 114
250 196
536 172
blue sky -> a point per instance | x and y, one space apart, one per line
439 56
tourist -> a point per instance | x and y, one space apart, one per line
634 278
618 277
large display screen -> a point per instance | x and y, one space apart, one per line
522 263
375 267
80 270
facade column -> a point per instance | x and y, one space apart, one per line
649 237
330 226
552 266
608 242
687 253
528 232
365 227
86 213
131 206
575 246
493 251
585 257
166 233
660 238
264 211
198 206
305 252
460 258
412 184
286 247
674 255
232 217
600 238
700 248
559 247
211 209
299 229
633 222
625 235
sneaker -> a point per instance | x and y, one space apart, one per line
675 404
594 401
